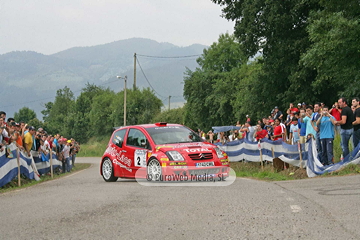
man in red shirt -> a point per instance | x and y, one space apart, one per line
278 132
293 109
335 111
260 133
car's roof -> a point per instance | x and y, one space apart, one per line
152 125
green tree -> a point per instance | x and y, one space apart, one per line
25 114
175 115
334 53
141 106
210 89
59 113
100 114
277 29
83 105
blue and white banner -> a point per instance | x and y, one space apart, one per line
9 165
43 167
243 149
314 167
250 151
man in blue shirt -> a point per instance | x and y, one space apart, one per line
326 123
315 117
302 126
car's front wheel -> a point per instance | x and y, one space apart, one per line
108 171
154 170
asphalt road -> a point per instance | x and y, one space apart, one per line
84 206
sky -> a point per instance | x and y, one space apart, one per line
50 26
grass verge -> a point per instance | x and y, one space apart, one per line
93 148
268 173
25 182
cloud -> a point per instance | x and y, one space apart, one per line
49 26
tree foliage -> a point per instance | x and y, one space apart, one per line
97 110
25 114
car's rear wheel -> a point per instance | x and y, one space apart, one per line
108 171
154 170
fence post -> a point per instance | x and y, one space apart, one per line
273 155
261 157
300 152
51 164
18 163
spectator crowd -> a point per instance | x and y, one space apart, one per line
37 142
300 123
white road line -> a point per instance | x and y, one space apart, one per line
295 208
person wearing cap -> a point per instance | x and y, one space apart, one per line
277 114
66 152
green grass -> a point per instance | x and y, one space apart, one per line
93 148
350 169
254 170
13 185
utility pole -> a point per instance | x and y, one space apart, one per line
125 78
134 71
169 102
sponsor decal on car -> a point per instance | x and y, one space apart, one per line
122 165
112 151
196 150
164 159
163 164
179 167
177 163
205 164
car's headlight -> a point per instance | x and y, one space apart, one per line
219 153
174 156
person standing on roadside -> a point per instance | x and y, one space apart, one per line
316 116
336 112
326 122
356 122
346 121
67 157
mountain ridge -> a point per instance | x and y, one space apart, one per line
33 75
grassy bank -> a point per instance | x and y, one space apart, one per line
94 148
13 185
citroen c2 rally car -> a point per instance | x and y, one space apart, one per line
162 152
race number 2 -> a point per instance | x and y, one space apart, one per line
140 158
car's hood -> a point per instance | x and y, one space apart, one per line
192 147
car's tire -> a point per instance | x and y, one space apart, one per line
107 171
154 170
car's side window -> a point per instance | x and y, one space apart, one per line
118 137
137 138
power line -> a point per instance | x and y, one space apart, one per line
137 60
188 56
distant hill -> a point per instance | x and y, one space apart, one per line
27 77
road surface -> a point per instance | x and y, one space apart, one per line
84 206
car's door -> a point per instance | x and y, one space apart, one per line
119 159
137 147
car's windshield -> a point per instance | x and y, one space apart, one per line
173 134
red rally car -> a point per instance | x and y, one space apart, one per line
163 152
